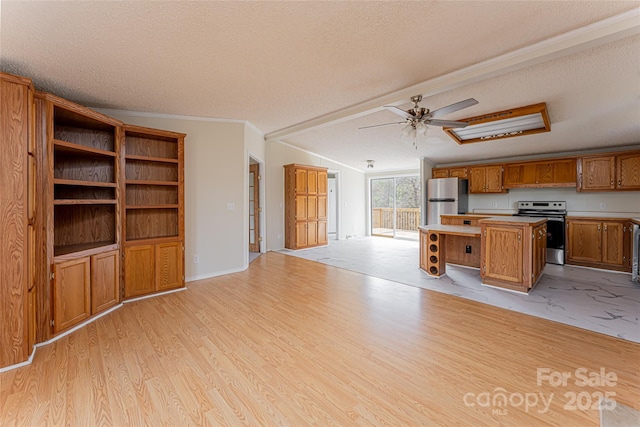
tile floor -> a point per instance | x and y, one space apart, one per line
600 301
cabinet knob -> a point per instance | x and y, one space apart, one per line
620 182
605 228
598 227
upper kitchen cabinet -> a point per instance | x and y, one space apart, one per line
486 179
609 172
552 173
457 172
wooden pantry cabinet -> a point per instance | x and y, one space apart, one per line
17 219
153 214
599 242
305 189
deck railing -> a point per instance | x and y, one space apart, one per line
406 218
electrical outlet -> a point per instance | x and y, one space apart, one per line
467 249
494 204
231 206
196 259
279 236
603 206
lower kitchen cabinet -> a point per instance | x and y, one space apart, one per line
600 243
153 268
513 255
83 287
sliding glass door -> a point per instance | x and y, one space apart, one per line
395 207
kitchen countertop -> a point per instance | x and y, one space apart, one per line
456 230
509 220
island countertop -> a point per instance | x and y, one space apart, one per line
454 230
514 220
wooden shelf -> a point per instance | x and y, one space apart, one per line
84 202
84 183
71 148
86 248
141 182
150 159
176 206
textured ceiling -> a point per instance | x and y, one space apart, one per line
277 64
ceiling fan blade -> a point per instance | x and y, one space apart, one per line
384 124
399 111
447 123
453 107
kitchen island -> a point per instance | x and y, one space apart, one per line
512 250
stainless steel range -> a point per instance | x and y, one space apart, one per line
555 212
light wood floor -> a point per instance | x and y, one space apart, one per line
291 342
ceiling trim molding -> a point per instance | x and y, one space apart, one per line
317 155
173 116
608 30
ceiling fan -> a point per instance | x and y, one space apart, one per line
418 118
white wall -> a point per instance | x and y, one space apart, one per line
622 204
351 199
216 173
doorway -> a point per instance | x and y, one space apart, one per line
332 202
395 207
254 209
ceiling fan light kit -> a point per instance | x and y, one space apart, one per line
503 124
417 119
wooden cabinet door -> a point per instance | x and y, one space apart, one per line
424 254
628 171
597 173
439 173
169 261
584 241
458 173
312 233
312 182
312 208
322 232
564 171
105 281
322 182
539 239
322 207
477 180
518 175
613 243
493 179
71 293
301 208
301 181
301 234
503 253
139 270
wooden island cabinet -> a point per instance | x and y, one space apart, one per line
514 251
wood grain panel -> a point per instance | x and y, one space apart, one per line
144 145
105 281
312 181
322 207
312 208
89 137
84 224
322 233
584 241
322 182
612 243
151 223
14 134
151 195
503 255
72 192
301 181
151 171
439 173
597 173
260 347
301 208
456 250
169 266
139 270
72 293
97 169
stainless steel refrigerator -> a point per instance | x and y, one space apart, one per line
446 196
